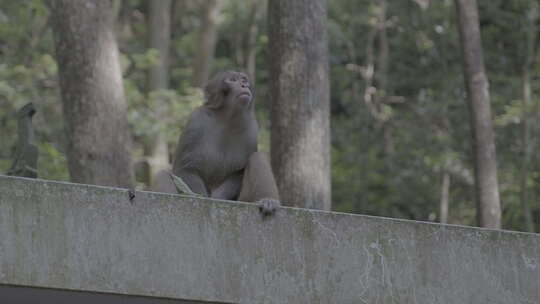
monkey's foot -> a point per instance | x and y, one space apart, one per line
268 206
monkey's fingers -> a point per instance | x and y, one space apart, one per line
268 206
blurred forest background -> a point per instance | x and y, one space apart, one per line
397 151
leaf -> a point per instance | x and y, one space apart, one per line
181 186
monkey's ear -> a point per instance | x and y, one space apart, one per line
216 91
213 100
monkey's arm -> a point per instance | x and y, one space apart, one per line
259 185
230 188
186 163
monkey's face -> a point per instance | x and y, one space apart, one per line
229 89
237 89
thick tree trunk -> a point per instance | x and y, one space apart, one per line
299 93
92 93
207 42
532 18
160 39
485 162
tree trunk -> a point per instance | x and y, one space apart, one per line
525 124
445 197
382 60
255 14
382 76
485 162
207 42
93 100
160 39
525 150
299 92
375 75
368 73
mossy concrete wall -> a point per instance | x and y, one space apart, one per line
81 237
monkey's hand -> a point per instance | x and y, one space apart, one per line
268 206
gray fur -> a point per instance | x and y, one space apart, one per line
218 140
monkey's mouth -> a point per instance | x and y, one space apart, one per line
244 96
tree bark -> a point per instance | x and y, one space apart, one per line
368 73
245 35
93 100
382 60
299 93
525 151
382 76
532 18
256 12
207 42
375 75
485 162
445 197
160 39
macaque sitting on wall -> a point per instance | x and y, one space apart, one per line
217 152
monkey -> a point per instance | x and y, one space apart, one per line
217 152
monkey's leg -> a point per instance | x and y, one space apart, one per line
259 184
194 181
230 188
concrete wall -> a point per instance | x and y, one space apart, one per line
81 237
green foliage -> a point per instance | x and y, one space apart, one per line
52 163
146 60
28 72
427 132
167 107
430 130
512 114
